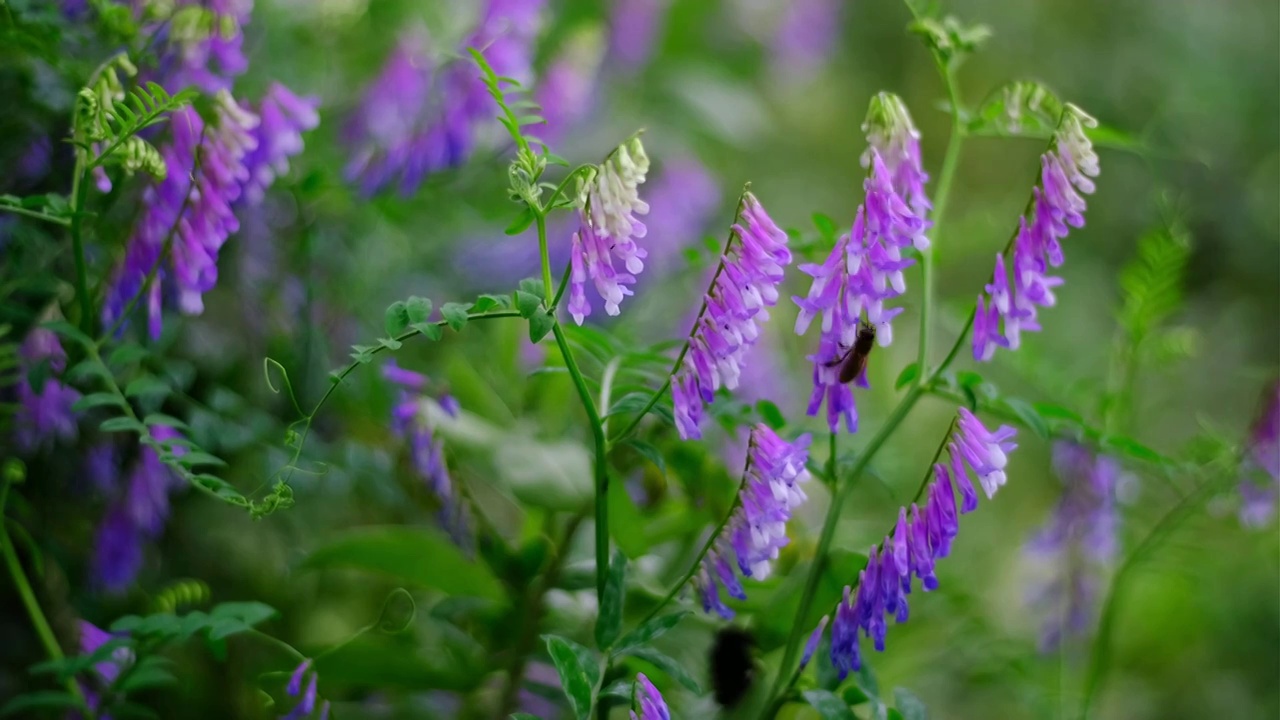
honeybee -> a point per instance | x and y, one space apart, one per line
854 360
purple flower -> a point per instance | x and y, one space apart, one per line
1258 499
307 704
815 637
608 230
91 638
652 706
804 37
117 551
283 118
745 285
208 58
426 451
683 198
418 118
567 87
633 31
1078 541
1057 206
919 538
44 413
191 210
893 135
757 529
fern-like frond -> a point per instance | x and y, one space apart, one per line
122 121
518 111
1152 282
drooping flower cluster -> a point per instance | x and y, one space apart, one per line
426 451
1258 500
283 117
864 271
418 117
757 529
201 44
745 285
649 700
1078 542
104 673
1003 313
44 411
307 702
191 211
919 538
137 515
608 230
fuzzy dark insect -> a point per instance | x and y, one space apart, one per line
854 361
733 667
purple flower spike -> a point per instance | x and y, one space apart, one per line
815 637
1078 543
284 117
652 706
307 703
920 537
44 412
1067 170
1259 494
608 229
295 680
426 450
757 529
744 287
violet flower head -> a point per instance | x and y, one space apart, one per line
815 637
1078 542
283 118
891 133
307 702
683 199
91 639
920 538
634 30
44 413
1260 486
862 273
409 422
649 700
1057 206
744 287
757 529
191 210
805 36
608 230
418 118
117 551
204 56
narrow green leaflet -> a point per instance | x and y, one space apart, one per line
828 705
910 706
649 631
666 664
21 705
579 673
609 623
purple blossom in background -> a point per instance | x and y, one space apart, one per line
608 230
44 413
1258 499
633 31
757 529
1057 206
745 284
567 87
1078 542
205 58
91 638
139 514
864 270
191 209
283 117
426 451
647 697
307 702
805 36
919 538
417 118
683 197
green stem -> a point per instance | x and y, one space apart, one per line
547 288
843 492
1099 662
950 162
38 620
601 461
35 214
78 187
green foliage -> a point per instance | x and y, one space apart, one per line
579 671
1152 282
829 706
111 117
609 622
949 38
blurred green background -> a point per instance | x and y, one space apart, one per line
1198 634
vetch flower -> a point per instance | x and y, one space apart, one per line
190 212
1066 172
744 286
892 134
1078 542
426 451
757 528
201 54
805 35
652 706
1258 499
920 537
44 411
634 29
307 702
608 230
283 118
815 637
